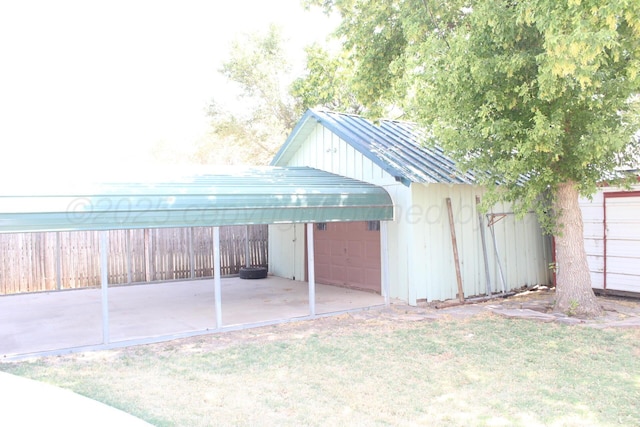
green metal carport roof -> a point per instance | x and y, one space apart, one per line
257 195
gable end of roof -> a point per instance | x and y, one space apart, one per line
396 147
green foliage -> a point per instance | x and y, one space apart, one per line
573 307
258 63
327 82
542 89
259 68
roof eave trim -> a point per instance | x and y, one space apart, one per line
292 136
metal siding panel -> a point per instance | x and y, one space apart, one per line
593 220
623 282
530 256
413 222
358 161
342 158
318 142
467 237
597 280
286 251
596 263
627 265
398 246
367 165
346 160
351 161
593 230
306 153
623 248
591 212
594 247
436 254
623 242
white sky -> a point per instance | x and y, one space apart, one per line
94 84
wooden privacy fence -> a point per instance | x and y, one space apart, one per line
33 262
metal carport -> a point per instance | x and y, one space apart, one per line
257 195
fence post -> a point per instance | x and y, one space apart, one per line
129 256
104 284
147 256
58 262
192 267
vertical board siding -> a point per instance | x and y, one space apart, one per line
593 222
523 252
612 238
30 261
287 251
322 149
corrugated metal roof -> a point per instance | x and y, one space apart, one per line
264 195
395 146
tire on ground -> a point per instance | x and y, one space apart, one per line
253 272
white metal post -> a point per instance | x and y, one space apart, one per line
311 270
216 276
384 255
104 284
192 264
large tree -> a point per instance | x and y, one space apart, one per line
260 71
538 97
326 82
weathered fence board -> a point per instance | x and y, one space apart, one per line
34 262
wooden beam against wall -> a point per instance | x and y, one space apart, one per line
454 243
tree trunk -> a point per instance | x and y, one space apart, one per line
574 295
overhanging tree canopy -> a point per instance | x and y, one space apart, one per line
545 89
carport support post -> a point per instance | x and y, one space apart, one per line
311 270
104 284
216 276
384 254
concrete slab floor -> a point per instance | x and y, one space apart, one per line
50 321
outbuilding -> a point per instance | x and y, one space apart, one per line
438 242
612 239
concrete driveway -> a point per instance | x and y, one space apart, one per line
31 403
50 321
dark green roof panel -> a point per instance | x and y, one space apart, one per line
259 195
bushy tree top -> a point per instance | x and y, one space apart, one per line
542 89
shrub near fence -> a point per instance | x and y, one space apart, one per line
34 262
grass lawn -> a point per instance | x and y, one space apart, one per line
340 371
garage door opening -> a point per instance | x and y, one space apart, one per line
348 254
